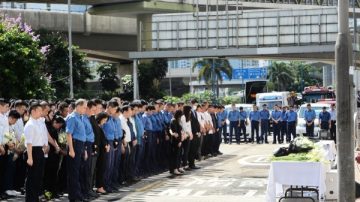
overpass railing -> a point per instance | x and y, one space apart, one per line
266 28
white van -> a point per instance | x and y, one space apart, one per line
301 126
272 99
248 108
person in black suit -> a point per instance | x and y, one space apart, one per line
195 142
176 136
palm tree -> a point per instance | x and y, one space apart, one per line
281 75
213 75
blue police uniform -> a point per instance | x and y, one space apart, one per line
234 117
276 116
243 119
254 117
264 116
324 118
291 120
283 125
109 129
310 116
76 127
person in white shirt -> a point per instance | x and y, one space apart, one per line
37 145
333 122
185 123
129 143
20 107
4 126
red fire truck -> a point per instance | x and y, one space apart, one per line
313 94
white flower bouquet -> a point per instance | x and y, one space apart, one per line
9 138
62 140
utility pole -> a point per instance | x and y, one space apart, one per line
213 79
70 51
345 142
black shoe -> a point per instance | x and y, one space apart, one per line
275 142
195 167
219 153
187 168
266 142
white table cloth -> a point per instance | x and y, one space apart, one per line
295 173
329 149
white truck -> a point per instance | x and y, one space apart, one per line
271 99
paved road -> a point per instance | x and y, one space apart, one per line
238 175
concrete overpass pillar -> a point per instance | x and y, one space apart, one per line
144 30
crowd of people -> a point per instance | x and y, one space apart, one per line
283 120
87 148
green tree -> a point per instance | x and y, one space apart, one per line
281 75
206 71
57 64
21 59
109 79
306 75
150 76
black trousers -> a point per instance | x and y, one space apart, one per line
255 128
175 150
194 148
73 171
2 168
242 129
35 175
291 130
51 172
185 152
20 176
276 127
310 129
216 142
283 130
333 130
100 167
85 174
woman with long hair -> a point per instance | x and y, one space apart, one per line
187 135
175 143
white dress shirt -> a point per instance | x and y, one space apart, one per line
4 126
132 120
208 120
36 133
201 119
333 114
126 128
186 125
19 128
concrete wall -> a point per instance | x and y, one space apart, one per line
81 22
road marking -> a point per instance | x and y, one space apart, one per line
261 161
250 193
200 193
175 192
253 183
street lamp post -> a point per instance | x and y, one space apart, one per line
70 51
345 142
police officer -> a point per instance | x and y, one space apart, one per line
254 117
276 118
243 122
324 119
333 122
309 116
234 117
283 123
264 116
76 137
291 121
